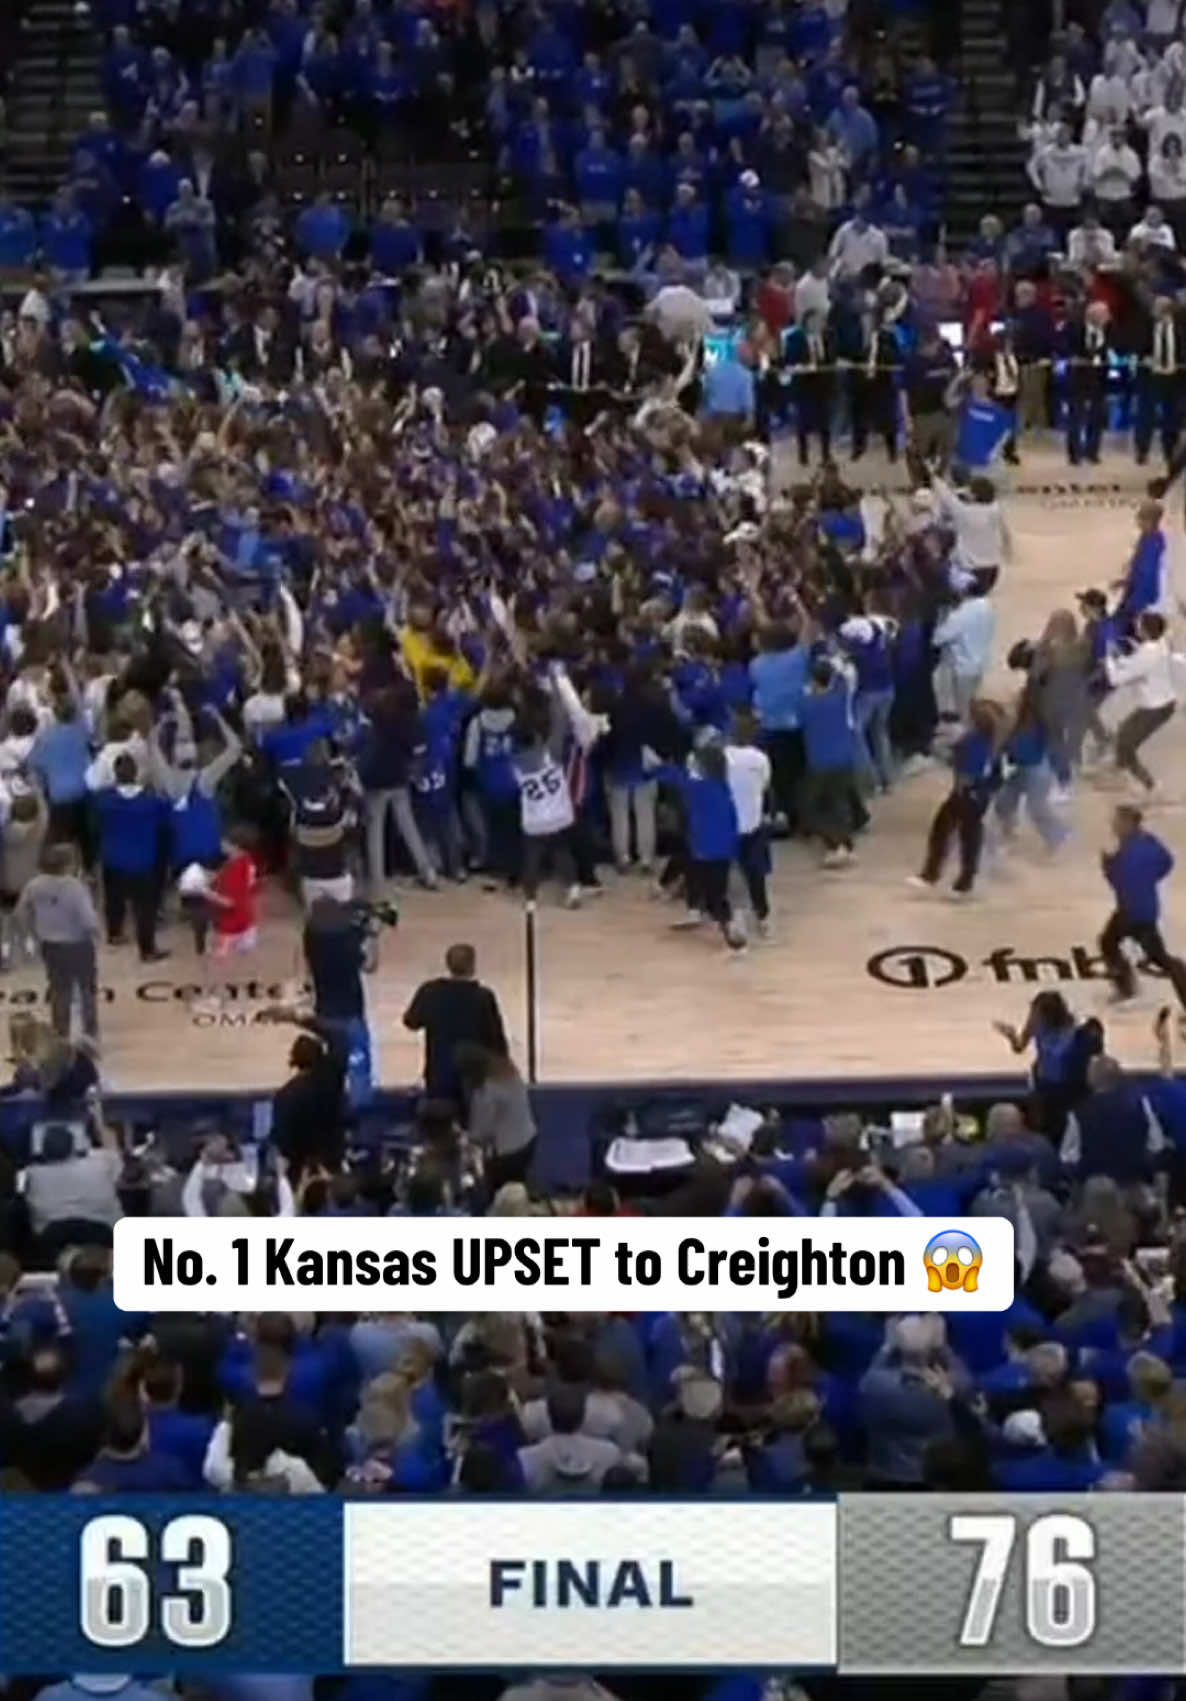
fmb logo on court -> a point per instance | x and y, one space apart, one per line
929 968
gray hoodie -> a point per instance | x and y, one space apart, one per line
568 1464
609 1416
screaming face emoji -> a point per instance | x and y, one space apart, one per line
953 1261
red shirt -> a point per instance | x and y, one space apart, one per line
235 880
775 307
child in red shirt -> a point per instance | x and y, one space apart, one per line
233 894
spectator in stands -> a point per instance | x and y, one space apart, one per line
323 229
1113 1131
18 237
66 240
71 1191
567 248
1115 172
501 1122
1030 244
857 244
158 184
567 1460
1090 245
1059 172
907 1395
1152 231
1167 184
191 222
852 128
1058 90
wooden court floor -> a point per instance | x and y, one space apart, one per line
863 976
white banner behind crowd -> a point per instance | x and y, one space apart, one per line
565 1264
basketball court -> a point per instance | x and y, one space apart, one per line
863 976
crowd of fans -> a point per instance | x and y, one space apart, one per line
623 131
361 551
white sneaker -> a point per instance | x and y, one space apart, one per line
572 898
690 919
919 884
762 931
838 858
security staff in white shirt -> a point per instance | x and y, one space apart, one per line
747 769
1149 669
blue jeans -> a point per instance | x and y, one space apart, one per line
871 712
355 1035
1032 785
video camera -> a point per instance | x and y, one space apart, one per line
371 916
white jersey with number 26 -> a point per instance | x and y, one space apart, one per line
544 799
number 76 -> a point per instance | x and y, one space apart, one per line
1058 1587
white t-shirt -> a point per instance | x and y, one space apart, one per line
748 769
262 711
1149 669
545 801
101 772
82 1188
980 539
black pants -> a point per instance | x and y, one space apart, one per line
1136 729
708 890
1147 935
199 912
1159 408
73 823
813 414
828 806
753 859
510 1166
540 848
584 850
787 763
138 892
959 815
1086 408
873 409
504 838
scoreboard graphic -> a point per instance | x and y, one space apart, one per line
866 1584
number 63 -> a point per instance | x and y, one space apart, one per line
116 1591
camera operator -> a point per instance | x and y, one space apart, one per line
335 941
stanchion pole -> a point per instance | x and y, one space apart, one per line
532 1003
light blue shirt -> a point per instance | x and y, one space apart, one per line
728 388
965 634
779 678
855 130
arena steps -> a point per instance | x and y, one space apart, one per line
54 82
